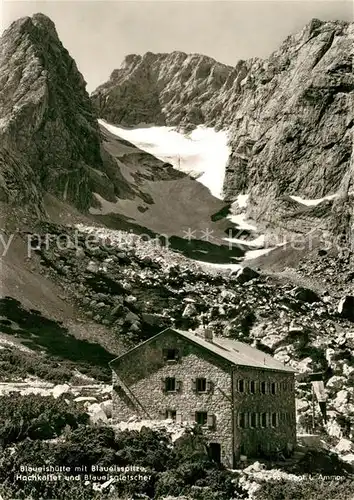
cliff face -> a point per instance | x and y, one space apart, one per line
45 112
290 117
18 189
161 89
51 143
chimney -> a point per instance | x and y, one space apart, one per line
208 334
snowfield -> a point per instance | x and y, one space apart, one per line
256 243
203 153
314 202
241 222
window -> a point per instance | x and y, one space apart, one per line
253 387
241 386
171 414
170 384
263 387
171 354
263 420
253 420
241 420
201 417
201 385
274 420
273 388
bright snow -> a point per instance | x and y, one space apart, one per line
257 242
240 220
203 153
242 200
313 202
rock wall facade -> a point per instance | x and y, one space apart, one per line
144 375
138 389
268 411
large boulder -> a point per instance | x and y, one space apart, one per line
333 428
97 414
155 319
344 446
189 311
58 390
306 365
107 407
306 295
346 307
336 383
341 403
244 274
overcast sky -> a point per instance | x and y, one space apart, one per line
99 33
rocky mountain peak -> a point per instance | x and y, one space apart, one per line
163 88
45 112
288 117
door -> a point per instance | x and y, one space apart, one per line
215 452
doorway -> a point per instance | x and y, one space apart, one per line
215 452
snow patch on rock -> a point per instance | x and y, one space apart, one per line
314 202
242 223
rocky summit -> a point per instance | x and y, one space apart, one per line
45 113
289 117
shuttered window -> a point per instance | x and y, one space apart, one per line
253 420
201 385
170 384
274 420
171 355
201 417
263 420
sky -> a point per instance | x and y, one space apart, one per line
100 33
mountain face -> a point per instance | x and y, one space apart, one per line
164 89
74 305
45 113
51 143
289 117
16 182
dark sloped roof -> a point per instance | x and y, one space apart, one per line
238 353
233 351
